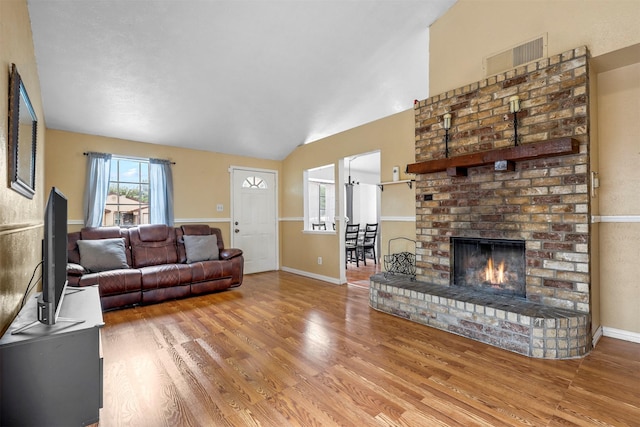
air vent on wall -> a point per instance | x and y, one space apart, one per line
524 53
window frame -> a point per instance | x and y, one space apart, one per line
122 185
325 183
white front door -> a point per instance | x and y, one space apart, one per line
253 222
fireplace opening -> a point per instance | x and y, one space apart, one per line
491 265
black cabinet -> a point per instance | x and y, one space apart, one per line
52 375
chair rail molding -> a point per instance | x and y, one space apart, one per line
398 218
615 218
200 220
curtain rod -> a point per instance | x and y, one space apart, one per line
131 157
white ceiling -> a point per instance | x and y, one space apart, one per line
254 78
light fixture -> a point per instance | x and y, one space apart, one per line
514 108
447 126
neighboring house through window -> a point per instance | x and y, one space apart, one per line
127 202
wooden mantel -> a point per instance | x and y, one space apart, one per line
456 166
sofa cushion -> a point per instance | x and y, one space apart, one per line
103 254
114 282
196 229
94 233
73 253
154 232
210 270
201 248
153 245
165 276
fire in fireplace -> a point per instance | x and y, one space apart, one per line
491 265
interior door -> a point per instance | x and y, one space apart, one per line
254 225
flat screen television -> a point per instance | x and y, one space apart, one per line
54 258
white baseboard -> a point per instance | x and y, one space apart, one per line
596 336
331 280
620 334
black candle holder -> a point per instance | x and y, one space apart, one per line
514 108
446 143
516 138
447 126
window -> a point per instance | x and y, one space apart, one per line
254 182
128 198
320 196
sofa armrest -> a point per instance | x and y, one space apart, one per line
230 253
75 269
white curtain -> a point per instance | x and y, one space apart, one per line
96 188
160 192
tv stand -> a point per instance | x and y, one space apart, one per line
52 374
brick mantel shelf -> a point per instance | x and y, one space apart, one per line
456 166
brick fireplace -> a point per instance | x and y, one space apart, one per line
488 190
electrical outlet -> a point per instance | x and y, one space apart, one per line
219 207
319 260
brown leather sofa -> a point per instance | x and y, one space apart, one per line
157 267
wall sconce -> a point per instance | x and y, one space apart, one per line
447 126
514 108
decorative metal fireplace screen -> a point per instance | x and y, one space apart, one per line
401 258
491 265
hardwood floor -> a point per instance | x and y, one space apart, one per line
359 275
286 350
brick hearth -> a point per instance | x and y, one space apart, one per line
544 202
517 325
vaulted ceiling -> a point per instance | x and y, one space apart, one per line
254 78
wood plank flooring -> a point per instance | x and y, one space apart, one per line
359 275
286 350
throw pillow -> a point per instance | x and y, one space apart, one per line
102 254
201 248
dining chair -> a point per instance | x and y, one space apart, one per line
351 236
368 243
319 226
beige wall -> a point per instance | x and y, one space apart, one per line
21 219
394 137
201 179
473 29
610 30
619 157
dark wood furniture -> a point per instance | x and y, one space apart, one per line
351 236
368 243
501 158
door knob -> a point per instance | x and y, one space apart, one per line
236 230
236 223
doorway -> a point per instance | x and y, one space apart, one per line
362 206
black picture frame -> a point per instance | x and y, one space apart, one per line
23 132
